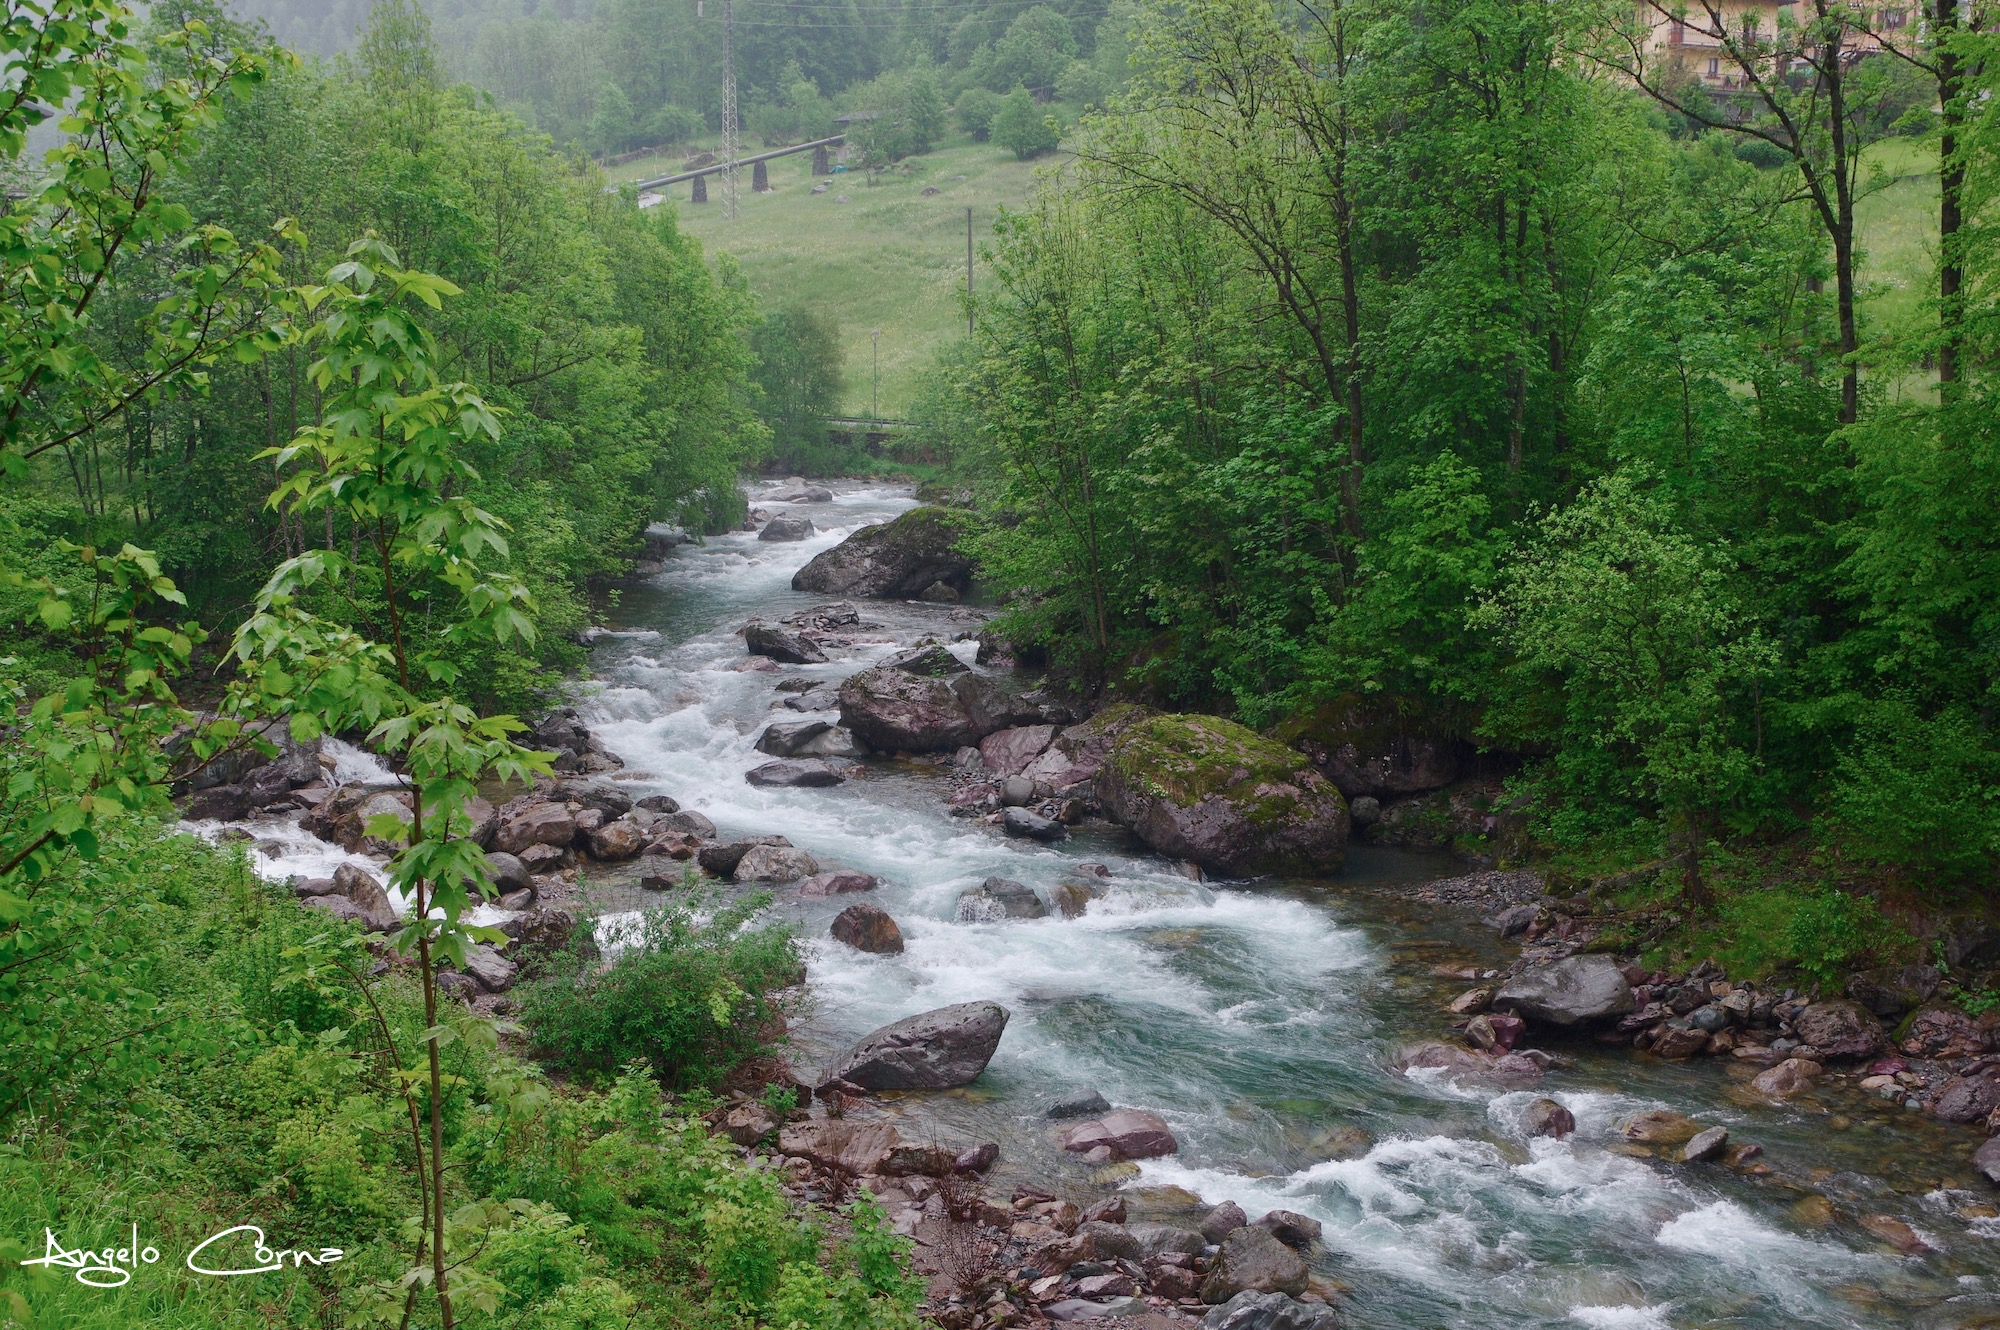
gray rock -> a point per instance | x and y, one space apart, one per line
930 659
620 839
999 898
1252 1261
1705 1145
893 710
1577 990
1295 1230
540 823
1083 1309
687 823
837 741
1365 810
1967 1099
934 1050
1986 1159
1016 791
721 860
781 644
602 795
1082 1104
658 803
1840 1030
893 561
1223 1220
546 932
788 527
773 863
494 972
342 908
807 773
1028 825
1270 1311
360 886
1209 790
509 873
1159 1239
1008 752
784 738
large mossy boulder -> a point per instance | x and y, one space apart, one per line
1207 789
897 560
1373 747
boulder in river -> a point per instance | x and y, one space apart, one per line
620 839
769 640
1705 1145
838 883
868 928
1546 1117
721 860
896 560
1574 991
895 710
365 890
788 527
1967 1099
1840 1030
1208 790
1252 1261
773 863
563 732
1785 1079
1030 825
933 1050
1223 1220
807 773
1128 1133
509 873
785 738
1295 1230
930 658
997 899
1270 1311
1081 1104
1986 1159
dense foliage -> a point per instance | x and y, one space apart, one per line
1472 358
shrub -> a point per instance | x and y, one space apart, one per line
975 110
1020 126
691 996
1918 792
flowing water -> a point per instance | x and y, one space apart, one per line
1262 1021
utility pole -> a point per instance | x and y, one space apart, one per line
968 272
875 393
729 109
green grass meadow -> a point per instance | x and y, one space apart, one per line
891 257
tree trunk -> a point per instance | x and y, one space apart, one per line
1951 190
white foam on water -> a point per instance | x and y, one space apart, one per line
1623 1318
355 766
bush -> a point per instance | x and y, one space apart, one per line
1020 126
1918 792
690 996
975 110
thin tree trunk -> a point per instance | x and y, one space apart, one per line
1951 190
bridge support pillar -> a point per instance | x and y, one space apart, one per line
760 179
700 194
821 165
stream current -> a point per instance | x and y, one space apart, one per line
1262 1020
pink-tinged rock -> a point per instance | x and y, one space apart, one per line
1786 1079
837 884
852 1147
618 840
1127 1133
535 824
1008 752
1840 1030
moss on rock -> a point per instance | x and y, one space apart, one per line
1207 789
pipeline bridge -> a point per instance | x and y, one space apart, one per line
760 182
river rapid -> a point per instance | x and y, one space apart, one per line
1262 1020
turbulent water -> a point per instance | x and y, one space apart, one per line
1261 1020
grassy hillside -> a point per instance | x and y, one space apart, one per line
891 257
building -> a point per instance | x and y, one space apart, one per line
1689 35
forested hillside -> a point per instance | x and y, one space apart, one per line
1470 368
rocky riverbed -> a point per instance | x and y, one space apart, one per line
1097 1073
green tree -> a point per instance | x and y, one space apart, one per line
975 111
1021 127
388 456
1035 50
1634 652
799 369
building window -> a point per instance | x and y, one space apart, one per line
1894 18
1677 33
1714 67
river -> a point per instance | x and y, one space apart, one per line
1262 1021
